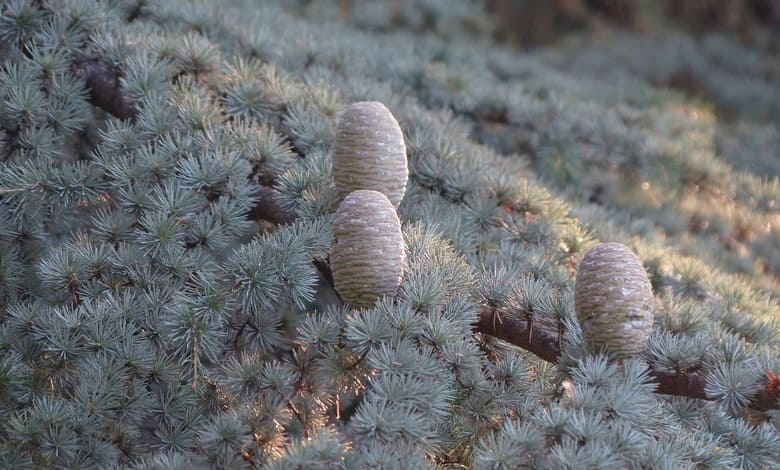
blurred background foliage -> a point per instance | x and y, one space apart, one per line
535 22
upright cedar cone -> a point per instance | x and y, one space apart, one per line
369 152
614 299
368 253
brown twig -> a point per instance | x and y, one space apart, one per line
545 345
105 93
542 343
324 268
104 89
269 207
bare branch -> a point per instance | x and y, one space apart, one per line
544 344
539 341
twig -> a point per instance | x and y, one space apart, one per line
270 207
324 268
545 345
103 84
105 92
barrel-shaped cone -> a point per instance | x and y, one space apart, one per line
368 254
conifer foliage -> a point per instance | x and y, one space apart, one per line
170 236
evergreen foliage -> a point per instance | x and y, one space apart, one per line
148 319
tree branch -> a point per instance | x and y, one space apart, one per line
270 207
103 84
105 93
539 341
542 343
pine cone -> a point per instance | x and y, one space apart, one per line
614 300
369 152
368 253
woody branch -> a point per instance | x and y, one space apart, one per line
542 343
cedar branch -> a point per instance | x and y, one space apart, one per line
104 89
105 93
540 342
270 208
544 344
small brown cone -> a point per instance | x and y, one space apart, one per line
368 254
614 300
369 152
